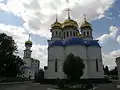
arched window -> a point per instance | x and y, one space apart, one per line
64 34
59 33
70 33
76 34
84 34
96 65
56 65
56 33
90 33
87 33
73 33
67 34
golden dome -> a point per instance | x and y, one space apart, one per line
70 22
56 25
85 24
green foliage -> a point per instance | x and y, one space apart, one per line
73 67
106 71
10 64
114 71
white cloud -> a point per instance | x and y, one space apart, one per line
38 15
20 35
114 34
110 58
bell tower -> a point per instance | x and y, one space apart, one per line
27 51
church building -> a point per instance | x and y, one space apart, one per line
31 65
69 37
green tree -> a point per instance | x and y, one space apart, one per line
106 71
10 64
73 67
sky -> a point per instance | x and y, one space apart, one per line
18 18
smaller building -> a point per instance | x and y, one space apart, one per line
31 65
118 66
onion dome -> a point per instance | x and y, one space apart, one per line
69 22
56 24
86 24
28 43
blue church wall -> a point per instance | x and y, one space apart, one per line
74 41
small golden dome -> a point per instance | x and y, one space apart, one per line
70 22
85 24
56 25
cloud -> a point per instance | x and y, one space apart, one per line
106 40
110 58
39 15
114 34
20 35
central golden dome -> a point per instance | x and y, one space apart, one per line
70 22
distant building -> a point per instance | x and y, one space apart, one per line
68 38
31 66
118 66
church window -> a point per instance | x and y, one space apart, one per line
67 34
56 33
76 34
56 65
59 33
87 33
73 33
96 65
90 33
70 33
64 35
84 33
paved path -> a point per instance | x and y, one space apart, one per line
25 86
37 86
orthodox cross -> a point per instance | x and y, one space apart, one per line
85 17
29 36
56 18
68 10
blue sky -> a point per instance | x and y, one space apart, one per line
22 17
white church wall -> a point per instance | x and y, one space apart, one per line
77 50
52 56
94 53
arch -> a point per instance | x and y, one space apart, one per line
88 33
73 33
84 33
67 34
59 33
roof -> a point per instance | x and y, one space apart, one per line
28 42
74 41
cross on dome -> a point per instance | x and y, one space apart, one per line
29 36
56 18
85 17
68 10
